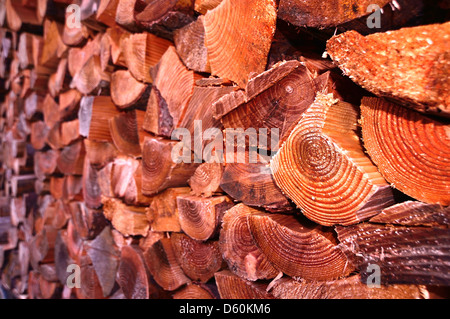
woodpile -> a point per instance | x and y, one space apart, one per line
208 149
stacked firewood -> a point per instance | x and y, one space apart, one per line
117 175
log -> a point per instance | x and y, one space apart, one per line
87 224
299 248
206 179
127 92
346 288
230 53
141 52
163 211
69 104
190 44
124 131
38 135
199 260
125 14
45 163
425 91
410 150
166 111
90 284
332 186
413 213
91 189
403 255
132 275
100 153
53 48
128 220
106 12
105 258
163 265
322 15
71 159
199 216
159 171
95 116
253 185
239 249
50 110
59 80
231 286
193 291
162 17
202 6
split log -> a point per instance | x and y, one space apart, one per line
159 171
94 115
50 110
202 6
115 36
100 153
410 150
71 159
91 189
423 48
276 99
45 163
105 259
317 14
234 54
231 286
193 291
87 224
166 109
89 282
127 92
162 17
199 120
404 255
53 48
106 12
132 275
254 185
38 135
90 77
412 213
346 288
141 52
199 260
62 257
163 265
78 57
323 169
70 132
125 14
59 80
200 217
163 211
299 248
239 249
190 44
206 179
124 131
69 103
128 220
